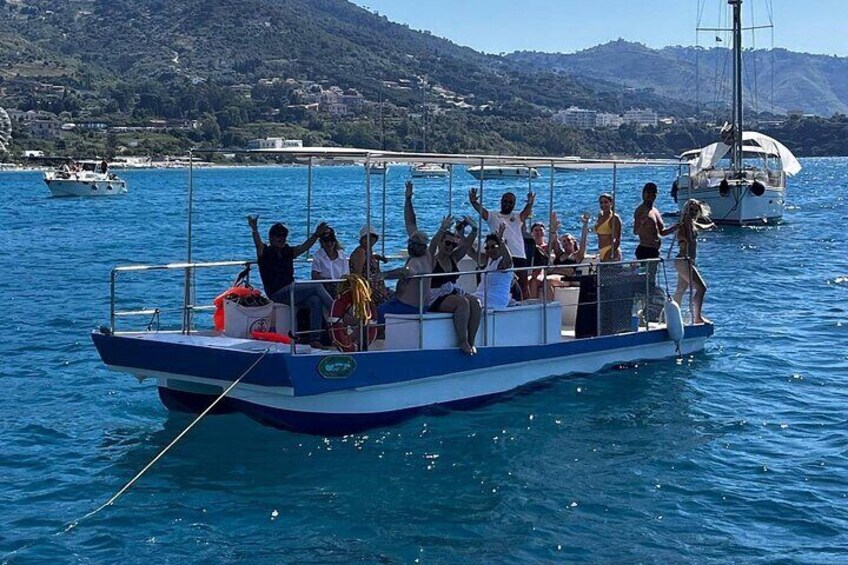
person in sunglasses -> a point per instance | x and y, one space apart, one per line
434 256
330 261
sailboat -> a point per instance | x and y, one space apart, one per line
743 176
427 170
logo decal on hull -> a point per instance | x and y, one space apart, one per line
336 366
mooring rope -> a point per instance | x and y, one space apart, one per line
152 462
167 448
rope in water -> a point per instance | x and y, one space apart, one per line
159 455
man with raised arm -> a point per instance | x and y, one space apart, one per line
276 269
410 296
512 234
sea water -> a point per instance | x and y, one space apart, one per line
736 454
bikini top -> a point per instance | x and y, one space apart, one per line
437 282
604 228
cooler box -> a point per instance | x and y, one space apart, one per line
240 321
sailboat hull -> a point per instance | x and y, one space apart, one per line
739 206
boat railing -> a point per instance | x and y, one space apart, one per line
614 297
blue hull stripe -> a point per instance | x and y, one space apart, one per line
372 368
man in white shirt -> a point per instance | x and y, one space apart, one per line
512 235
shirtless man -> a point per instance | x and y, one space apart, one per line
648 225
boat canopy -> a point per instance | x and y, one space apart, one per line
758 144
380 156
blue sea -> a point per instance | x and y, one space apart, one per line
738 454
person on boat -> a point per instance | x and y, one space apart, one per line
513 223
567 251
276 268
608 229
104 167
444 295
694 217
493 292
330 261
648 225
365 263
540 257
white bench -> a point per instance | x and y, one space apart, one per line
569 297
402 331
526 324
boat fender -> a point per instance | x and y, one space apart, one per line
724 187
675 188
674 321
757 188
109 187
271 336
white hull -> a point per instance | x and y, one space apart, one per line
419 393
504 172
739 206
427 171
84 184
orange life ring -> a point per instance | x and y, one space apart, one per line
344 326
218 317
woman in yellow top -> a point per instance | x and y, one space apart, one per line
608 228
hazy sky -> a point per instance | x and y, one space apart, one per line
813 26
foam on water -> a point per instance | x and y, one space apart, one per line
734 454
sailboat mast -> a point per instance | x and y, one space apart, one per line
737 83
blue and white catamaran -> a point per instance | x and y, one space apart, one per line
612 314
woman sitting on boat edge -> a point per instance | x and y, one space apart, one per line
493 292
365 263
444 253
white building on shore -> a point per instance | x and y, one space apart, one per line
640 117
575 117
274 143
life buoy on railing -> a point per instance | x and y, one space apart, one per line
350 315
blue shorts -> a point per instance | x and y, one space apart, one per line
394 306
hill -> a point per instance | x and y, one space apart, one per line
777 81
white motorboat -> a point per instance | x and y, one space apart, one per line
428 170
490 172
84 178
376 168
743 176
377 380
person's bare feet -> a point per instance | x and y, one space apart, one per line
466 348
703 320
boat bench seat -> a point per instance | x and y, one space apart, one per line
524 324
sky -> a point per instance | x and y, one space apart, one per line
495 26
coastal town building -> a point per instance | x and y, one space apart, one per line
640 117
274 143
575 117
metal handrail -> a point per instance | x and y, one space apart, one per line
546 270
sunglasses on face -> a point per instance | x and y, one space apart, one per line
449 243
488 247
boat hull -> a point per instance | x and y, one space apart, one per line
739 206
66 187
291 391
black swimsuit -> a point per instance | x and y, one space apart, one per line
437 282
